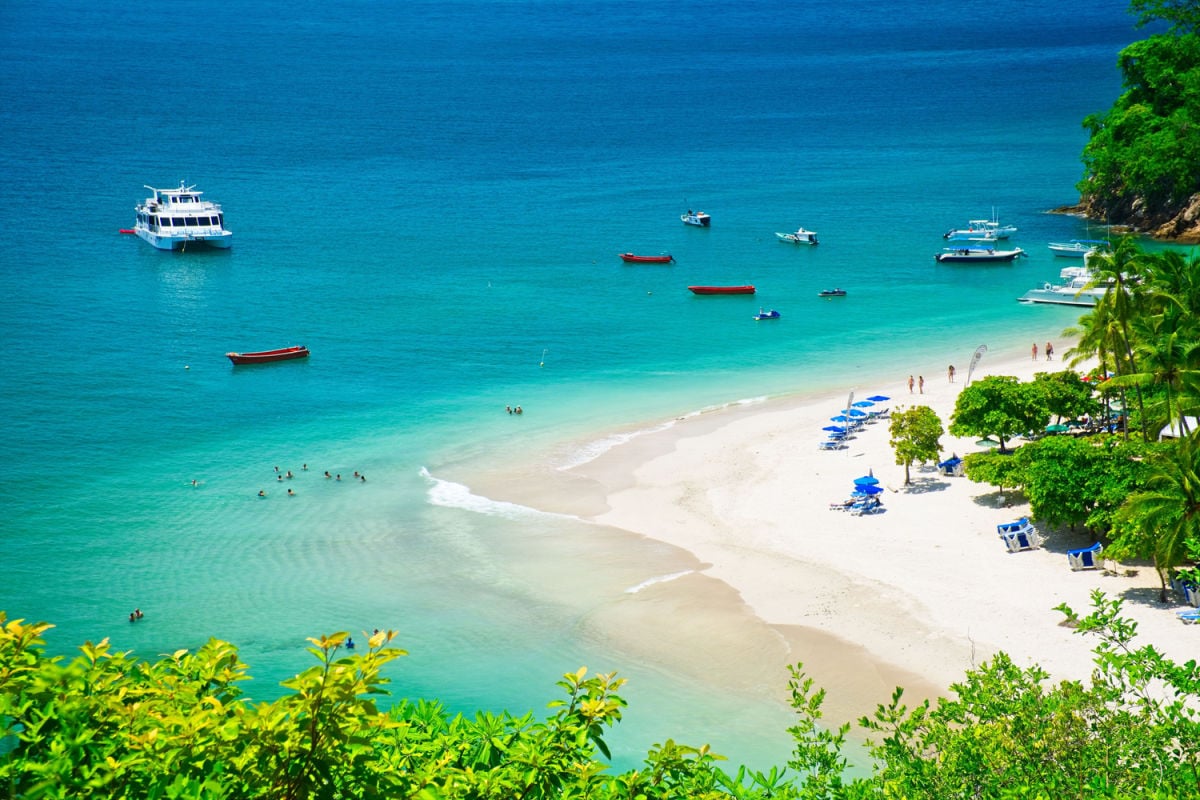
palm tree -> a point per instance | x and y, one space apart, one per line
1166 345
1168 511
1124 268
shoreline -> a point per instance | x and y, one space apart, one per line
911 597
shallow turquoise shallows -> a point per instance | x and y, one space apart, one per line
432 197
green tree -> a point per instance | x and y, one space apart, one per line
1071 480
916 436
994 468
1000 406
1067 396
1184 15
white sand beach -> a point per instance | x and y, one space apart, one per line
913 596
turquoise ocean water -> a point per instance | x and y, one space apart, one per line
431 196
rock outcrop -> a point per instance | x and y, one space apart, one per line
1177 223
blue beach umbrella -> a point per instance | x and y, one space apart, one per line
840 418
854 412
878 398
866 480
863 404
834 428
866 491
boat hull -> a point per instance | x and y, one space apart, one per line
721 289
700 220
969 256
630 258
221 241
268 356
1059 296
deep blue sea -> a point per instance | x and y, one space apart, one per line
431 196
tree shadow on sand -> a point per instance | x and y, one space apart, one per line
925 485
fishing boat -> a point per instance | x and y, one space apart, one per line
266 356
721 289
173 219
761 315
799 236
1078 248
986 228
697 218
980 255
1075 289
630 258
831 293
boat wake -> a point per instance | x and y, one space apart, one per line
593 450
455 495
658 579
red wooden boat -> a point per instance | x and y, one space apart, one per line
721 289
630 258
264 356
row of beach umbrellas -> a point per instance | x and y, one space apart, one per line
854 414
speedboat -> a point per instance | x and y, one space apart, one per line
1073 291
982 255
172 219
1078 248
831 293
800 236
721 289
267 356
982 230
761 315
630 258
697 218
977 228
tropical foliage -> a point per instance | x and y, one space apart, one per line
105 725
1143 153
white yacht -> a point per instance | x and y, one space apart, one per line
173 219
981 230
1073 291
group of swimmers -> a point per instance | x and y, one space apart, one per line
135 615
512 410
279 476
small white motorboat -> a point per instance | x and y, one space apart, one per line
799 236
697 218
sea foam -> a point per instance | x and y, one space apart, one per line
449 494
658 579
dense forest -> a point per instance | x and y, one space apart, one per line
1142 162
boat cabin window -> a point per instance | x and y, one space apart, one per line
178 222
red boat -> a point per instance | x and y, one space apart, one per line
721 289
630 258
264 356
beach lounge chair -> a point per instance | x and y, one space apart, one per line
1022 539
1008 527
872 505
1084 558
831 444
952 467
1190 616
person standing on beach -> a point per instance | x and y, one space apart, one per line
910 384
1035 351
921 383
950 372
1049 351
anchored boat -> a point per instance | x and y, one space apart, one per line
172 219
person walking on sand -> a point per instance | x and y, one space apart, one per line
1049 351
910 384
1035 351
921 383
950 372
